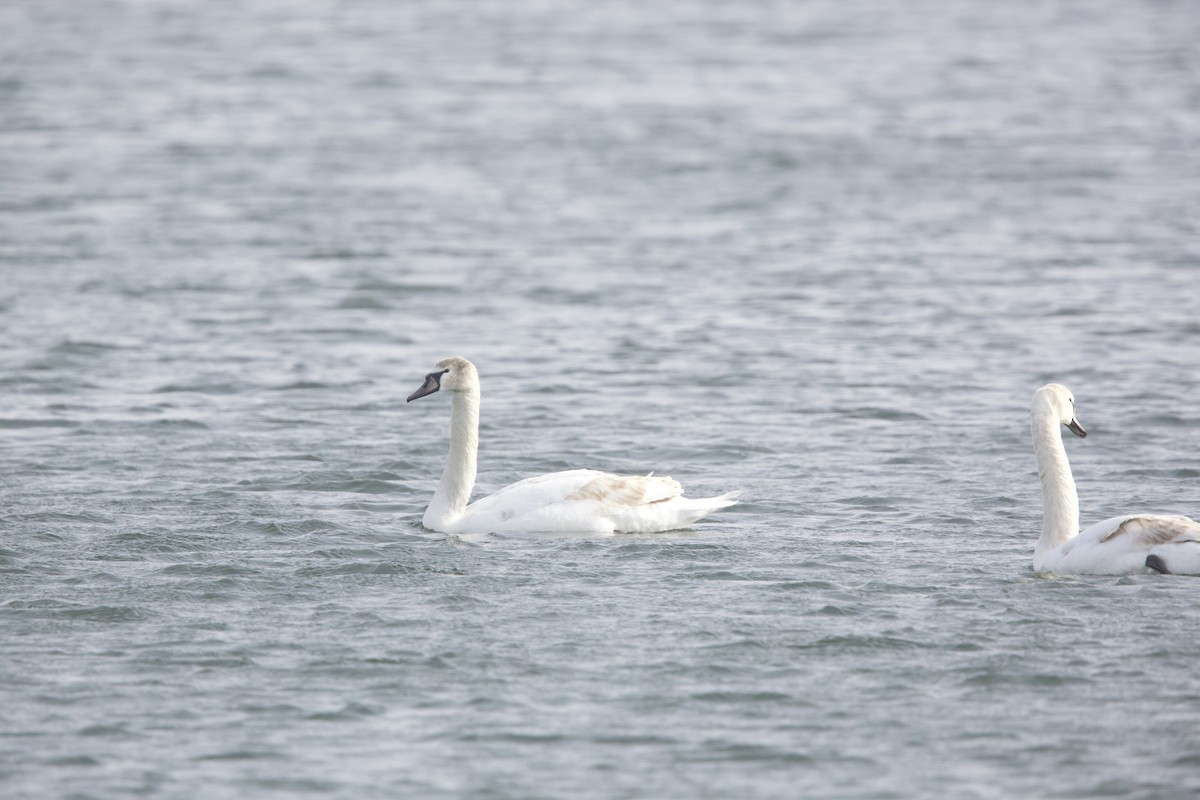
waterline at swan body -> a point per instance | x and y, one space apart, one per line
580 500
1122 545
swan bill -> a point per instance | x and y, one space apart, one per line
1074 427
433 382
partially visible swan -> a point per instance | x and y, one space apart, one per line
1117 546
579 500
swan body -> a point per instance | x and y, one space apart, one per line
580 500
1118 546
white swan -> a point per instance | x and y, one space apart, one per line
1117 546
580 500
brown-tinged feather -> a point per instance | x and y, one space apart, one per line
1151 531
627 491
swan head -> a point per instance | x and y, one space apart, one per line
454 374
1059 403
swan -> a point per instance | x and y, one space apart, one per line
1119 546
578 500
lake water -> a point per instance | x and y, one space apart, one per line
820 252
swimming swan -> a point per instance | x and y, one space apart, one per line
580 500
1117 546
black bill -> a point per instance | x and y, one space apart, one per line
1074 427
433 382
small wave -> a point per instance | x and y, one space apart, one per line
994 678
514 737
743 697
106 730
176 658
399 466
348 712
403 288
58 609
567 297
344 254
329 483
73 761
159 541
752 752
277 709
362 486
1164 420
871 503
635 739
830 610
37 423
242 755
64 516
1072 311
207 570
300 386
179 424
721 575
862 642
277 528
83 348
293 421
381 568
199 388
915 459
170 288
362 302
885 414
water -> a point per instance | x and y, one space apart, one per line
822 253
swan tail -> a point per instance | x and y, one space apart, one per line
720 501
671 513
705 505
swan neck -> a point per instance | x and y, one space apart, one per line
1060 515
458 478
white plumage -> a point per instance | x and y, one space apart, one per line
1118 546
580 500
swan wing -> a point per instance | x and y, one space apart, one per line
1150 531
537 491
1170 544
549 502
1128 545
625 491
587 501
581 486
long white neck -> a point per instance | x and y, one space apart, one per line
1060 517
458 478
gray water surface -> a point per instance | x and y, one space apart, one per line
820 252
